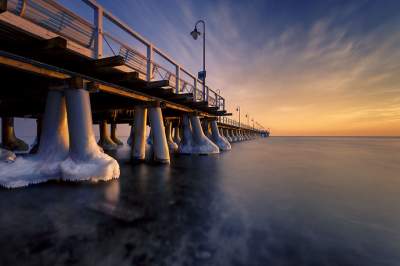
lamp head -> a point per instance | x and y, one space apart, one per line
195 33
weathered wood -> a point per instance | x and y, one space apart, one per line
53 43
157 84
112 61
32 68
122 77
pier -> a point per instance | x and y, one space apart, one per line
69 73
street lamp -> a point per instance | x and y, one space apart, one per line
238 110
248 117
195 34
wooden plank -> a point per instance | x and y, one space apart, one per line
124 93
38 31
157 84
122 77
53 43
31 68
111 61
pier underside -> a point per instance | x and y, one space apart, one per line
30 66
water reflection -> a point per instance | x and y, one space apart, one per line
280 201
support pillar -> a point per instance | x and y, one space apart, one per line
105 140
85 161
227 135
114 137
9 139
219 140
139 140
173 147
52 151
186 144
202 145
177 135
160 146
131 135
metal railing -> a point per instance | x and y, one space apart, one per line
62 21
231 122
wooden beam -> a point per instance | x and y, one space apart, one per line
112 61
53 43
3 6
157 84
32 68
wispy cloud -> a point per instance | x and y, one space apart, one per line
311 75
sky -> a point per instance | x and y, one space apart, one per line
297 67
329 68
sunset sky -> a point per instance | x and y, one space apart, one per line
298 67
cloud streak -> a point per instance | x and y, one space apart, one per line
335 73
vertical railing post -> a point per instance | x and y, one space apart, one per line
195 90
149 69
177 78
98 45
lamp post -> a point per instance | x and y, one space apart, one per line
238 110
195 34
248 117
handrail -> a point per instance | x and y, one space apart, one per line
58 18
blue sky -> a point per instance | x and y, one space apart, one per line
299 67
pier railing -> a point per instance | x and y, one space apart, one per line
231 122
140 54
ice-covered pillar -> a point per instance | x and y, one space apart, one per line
221 141
114 137
160 146
226 134
139 139
173 147
206 128
85 161
7 156
233 134
201 144
131 135
186 144
8 138
105 140
52 151
177 134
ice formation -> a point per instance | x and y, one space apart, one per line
113 136
221 141
7 156
173 147
160 146
53 149
194 141
85 160
105 140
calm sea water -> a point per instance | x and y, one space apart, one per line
275 201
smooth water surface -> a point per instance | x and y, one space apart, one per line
275 201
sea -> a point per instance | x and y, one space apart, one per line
269 201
